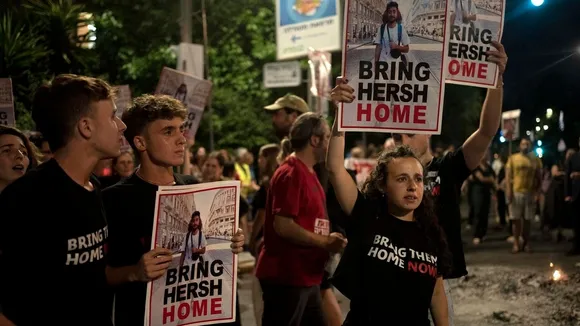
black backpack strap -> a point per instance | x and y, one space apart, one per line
382 33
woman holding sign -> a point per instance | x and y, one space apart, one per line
392 266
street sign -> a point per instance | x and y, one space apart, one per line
282 74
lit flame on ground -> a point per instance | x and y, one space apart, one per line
556 275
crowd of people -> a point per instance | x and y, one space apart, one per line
398 235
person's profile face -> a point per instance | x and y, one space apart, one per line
14 160
107 135
166 142
45 151
404 187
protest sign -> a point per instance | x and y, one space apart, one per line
397 77
193 92
472 25
320 66
510 124
362 167
304 24
197 223
7 117
122 102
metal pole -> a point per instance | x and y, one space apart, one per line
207 74
185 23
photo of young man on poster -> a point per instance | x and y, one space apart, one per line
194 243
392 40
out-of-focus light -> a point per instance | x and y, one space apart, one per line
545 127
561 121
92 38
538 120
549 113
91 27
537 3
537 128
557 275
502 139
540 152
528 132
539 143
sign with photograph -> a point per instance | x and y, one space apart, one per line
193 92
122 102
7 117
197 222
396 70
472 25
510 124
303 24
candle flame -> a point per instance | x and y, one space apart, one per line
557 275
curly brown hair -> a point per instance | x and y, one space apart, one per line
374 189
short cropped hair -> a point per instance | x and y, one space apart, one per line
147 109
59 105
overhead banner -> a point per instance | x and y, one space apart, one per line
193 92
7 117
197 222
190 59
510 124
302 24
473 24
397 77
122 102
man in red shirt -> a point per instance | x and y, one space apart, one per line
296 232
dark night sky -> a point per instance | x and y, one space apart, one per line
535 38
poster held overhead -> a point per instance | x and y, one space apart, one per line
122 102
193 92
471 26
7 117
397 79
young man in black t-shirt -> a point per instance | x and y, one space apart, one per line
52 266
155 132
446 174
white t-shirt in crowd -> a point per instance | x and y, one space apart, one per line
386 48
192 241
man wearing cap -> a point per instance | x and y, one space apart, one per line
284 112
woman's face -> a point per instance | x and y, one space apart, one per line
211 170
262 162
125 165
405 183
14 159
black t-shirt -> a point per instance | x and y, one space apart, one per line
391 268
130 205
259 202
445 175
52 238
481 188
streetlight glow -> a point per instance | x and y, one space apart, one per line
545 127
502 139
539 143
549 113
537 128
538 120
537 3
528 132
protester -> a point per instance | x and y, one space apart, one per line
390 212
523 174
482 185
572 184
42 144
446 174
17 155
76 115
155 132
296 234
284 113
267 164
